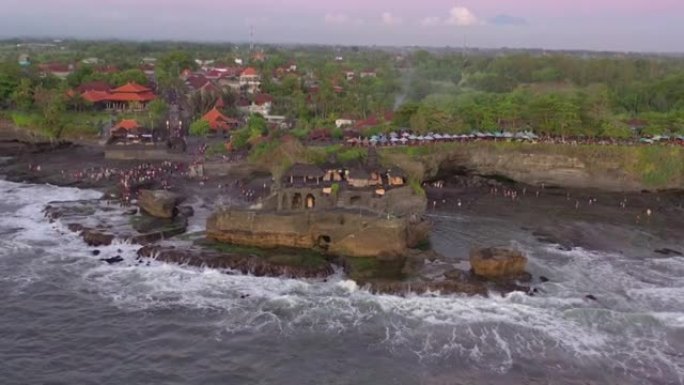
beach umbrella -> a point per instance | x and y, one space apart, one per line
403 140
438 137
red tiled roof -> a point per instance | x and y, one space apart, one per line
131 88
130 92
249 71
197 81
262 99
55 67
126 124
94 96
217 120
131 97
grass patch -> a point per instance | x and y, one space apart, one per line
360 269
281 256
234 249
303 258
417 188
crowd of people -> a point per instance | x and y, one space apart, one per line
515 194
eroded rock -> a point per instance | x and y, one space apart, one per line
497 263
276 265
159 203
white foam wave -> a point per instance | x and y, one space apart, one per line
559 325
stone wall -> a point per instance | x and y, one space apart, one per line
336 231
400 201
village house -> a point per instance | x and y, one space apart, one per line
260 104
129 131
148 69
58 70
368 73
219 123
91 61
24 60
349 75
344 122
250 80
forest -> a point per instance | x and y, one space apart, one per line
560 94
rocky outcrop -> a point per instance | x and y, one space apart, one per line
336 232
100 223
159 203
278 265
497 263
609 167
92 237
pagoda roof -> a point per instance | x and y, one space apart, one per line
131 88
126 124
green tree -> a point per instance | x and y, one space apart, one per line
157 110
129 76
22 97
54 121
257 126
10 74
199 128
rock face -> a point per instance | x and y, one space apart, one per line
274 266
159 203
99 223
336 232
610 168
498 263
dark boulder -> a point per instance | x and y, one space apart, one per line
112 260
186 211
159 203
496 263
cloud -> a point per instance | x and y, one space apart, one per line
430 21
389 19
508 20
335 18
462 17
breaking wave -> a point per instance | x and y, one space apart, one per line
633 330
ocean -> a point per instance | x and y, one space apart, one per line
68 318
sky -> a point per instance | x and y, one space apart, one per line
615 25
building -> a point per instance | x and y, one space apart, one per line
59 70
219 123
368 73
250 80
129 97
24 60
127 131
260 104
344 122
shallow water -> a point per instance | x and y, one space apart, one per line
68 318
